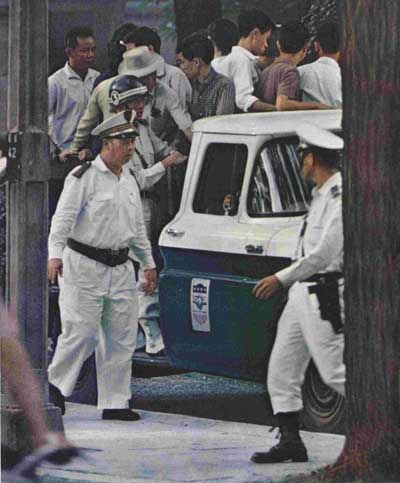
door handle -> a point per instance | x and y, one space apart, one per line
254 249
175 233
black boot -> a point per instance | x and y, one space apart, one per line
120 414
57 398
290 446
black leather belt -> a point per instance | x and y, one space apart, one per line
324 277
103 255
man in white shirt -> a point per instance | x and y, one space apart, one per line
98 221
71 86
255 28
321 81
311 324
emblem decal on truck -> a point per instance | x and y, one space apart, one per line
199 294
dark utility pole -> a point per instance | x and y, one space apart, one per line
27 200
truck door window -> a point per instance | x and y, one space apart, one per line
277 186
221 179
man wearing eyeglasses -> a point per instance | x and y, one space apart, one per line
97 223
311 325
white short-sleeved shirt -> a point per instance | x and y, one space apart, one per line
101 210
240 66
68 97
321 81
321 249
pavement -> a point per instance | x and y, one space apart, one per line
174 448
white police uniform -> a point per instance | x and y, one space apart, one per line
98 302
302 333
148 170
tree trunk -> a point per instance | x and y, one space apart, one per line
193 15
371 122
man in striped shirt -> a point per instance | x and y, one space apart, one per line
212 94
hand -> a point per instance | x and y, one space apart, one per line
266 287
174 159
54 268
150 283
85 154
65 153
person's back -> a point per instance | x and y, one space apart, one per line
224 35
279 83
241 64
321 81
279 78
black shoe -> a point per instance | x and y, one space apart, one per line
57 398
120 414
286 450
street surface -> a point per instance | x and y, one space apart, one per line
172 448
204 396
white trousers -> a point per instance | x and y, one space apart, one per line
149 309
99 309
303 335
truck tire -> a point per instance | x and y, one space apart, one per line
324 409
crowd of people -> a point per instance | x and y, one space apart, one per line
135 121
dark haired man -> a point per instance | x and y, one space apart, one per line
169 74
321 81
311 324
115 51
224 34
213 94
279 83
255 28
71 86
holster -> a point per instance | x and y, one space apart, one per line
327 292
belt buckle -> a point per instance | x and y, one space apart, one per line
114 253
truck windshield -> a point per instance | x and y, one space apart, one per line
277 186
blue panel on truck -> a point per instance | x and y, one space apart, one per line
242 328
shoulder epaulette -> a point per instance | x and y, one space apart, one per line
143 122
82 169
335 191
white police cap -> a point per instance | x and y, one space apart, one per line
121 125
312 135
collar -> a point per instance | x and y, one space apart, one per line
71 74
100 164
242 51
208 78
335 179
327 61
283 61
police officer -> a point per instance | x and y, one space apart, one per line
97 222
311 323
149 162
